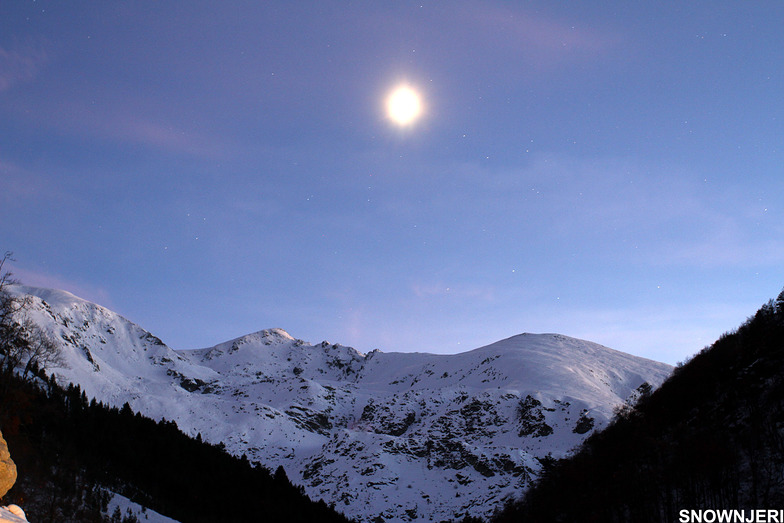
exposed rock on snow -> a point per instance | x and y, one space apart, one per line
401 436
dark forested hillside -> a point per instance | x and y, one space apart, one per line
67 450
710 437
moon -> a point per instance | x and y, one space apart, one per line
404 105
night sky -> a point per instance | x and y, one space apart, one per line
606 170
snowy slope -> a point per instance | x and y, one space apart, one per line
407 436
126 508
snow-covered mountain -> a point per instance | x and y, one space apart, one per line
403 436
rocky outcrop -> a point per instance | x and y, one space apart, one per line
7 468
11 513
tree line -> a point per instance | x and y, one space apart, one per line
70 451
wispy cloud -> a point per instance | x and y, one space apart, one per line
535 34
34 278
20 64
165 136
132 120
491 40
19 184
670 213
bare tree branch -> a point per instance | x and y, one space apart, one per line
23 345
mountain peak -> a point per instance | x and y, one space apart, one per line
54 297
460 432
278 333
274 334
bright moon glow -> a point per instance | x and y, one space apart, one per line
404 105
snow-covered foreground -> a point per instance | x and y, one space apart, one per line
404 436
12 514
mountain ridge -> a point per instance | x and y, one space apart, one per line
401 436
709 439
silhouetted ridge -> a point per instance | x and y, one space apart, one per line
711 437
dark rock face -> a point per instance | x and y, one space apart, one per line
532 418
584 424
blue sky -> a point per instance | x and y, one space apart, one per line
610 171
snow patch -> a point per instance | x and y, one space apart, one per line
125 507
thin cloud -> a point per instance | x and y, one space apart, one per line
15 182
20 65
166 137
20 184
33 278
523 37
669 211
526 31
130 121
